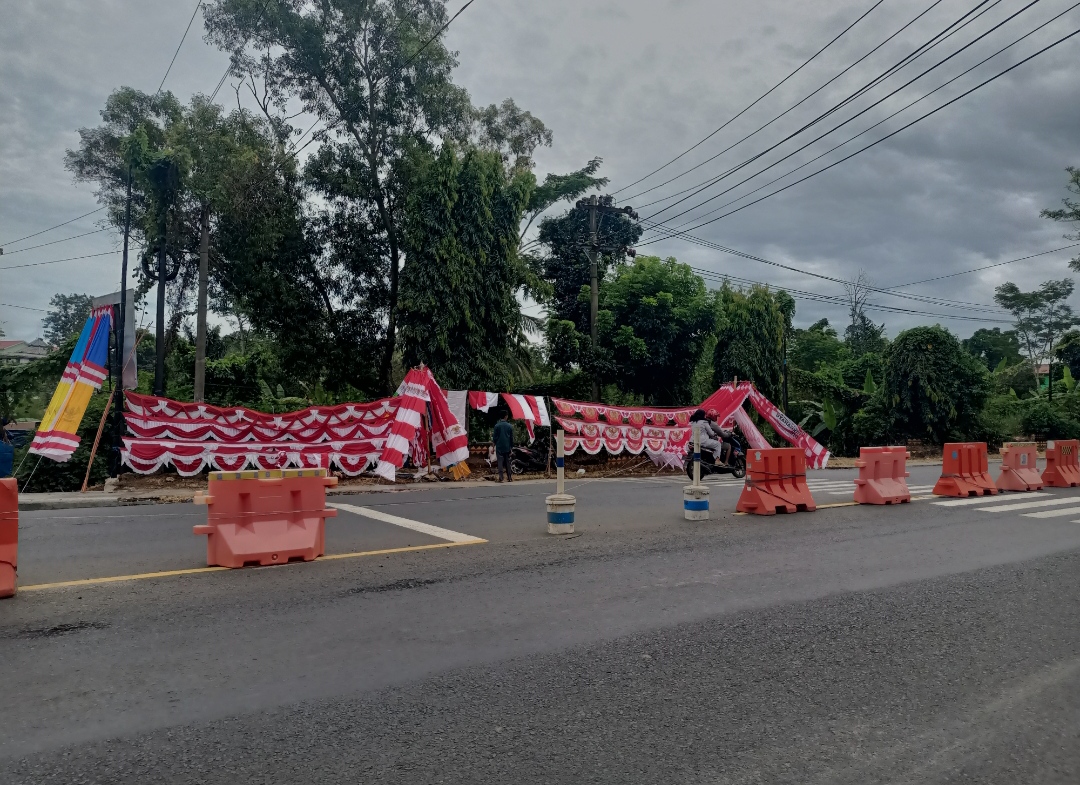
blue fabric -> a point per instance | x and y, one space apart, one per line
7 459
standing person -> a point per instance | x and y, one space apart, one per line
504 446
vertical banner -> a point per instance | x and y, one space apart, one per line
127 351
58 435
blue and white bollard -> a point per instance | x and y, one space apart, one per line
560 506
696 496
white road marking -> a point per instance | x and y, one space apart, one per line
1029 505
423 528
1053 513
981 500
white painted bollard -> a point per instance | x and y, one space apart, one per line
696 496
695 502
560 506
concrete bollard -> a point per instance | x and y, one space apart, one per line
560 506
695 502
696 496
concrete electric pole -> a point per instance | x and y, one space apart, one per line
597 206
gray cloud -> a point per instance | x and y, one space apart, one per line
636 82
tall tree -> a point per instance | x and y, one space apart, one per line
459 311
932 388
816 347
1071 211
66 317
994 347
1040 315
749 343
658 317
377 76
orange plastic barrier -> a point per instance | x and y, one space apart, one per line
776 482
965 471
1062 467
9 537
882 476
265 517
1018 472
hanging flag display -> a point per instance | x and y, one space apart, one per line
447 435
58 435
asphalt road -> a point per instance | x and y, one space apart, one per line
919 643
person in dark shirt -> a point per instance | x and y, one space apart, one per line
504 445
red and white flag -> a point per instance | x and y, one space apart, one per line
447 435
483 401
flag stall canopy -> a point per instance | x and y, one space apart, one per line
58 435
593 427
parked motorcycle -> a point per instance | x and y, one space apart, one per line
526 459
736 465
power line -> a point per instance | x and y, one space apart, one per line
925 299
22 307
57 261
841 301
713 181
43 231
162 84
856 136
752 105
439 32
986 267
182 39
879 141
54 242
228 70
777 117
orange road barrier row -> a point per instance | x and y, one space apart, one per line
1018 471
882 476
1062 466
965 471
776 482
9 537
265 517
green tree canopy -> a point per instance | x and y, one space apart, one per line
378 76
932 389
749 343
459 311
1070 213
658 318
1040 315
994 347
816 347
66 317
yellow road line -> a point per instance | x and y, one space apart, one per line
201 570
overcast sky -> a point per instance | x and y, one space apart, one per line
637 82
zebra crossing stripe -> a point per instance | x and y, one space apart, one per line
1053 513
981 500
1028 505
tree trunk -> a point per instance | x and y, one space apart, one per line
200 317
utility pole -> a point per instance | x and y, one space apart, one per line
594 302
160 276
200 318
121 328
785 370
597 205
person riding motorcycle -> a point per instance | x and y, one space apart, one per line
725 435
711 434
